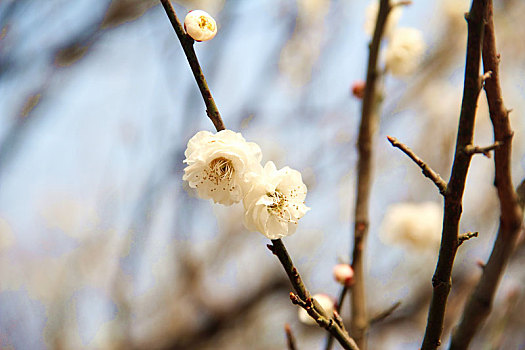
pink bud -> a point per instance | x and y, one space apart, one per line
344 274
358 89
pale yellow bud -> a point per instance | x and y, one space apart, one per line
200 25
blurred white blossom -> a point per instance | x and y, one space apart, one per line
371 18
218 163
200 25
300 54
404 51
414 226
455 10
275 201
72 216
326 302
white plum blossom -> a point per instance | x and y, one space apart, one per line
404 51
200 25
275 202
327 303
371 18
415 226
218 165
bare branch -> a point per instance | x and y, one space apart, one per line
304 300
187 46
441 281
479 304
427 170
342 294
367 127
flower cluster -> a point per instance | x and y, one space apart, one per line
227 169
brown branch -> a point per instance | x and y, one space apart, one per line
483 150
427 170
342 294
290 339
441 281
187 45
479 304
367 127
304 300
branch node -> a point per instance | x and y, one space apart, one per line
480 264
486 76
271 248
470 149
401 3
466 236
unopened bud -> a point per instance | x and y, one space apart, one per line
358 89
200 25
344 274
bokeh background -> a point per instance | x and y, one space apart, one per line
102 246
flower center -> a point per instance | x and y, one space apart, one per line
205 24
221 169
279 207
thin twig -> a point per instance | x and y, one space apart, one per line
290 339
483 150
381 316
367 127
304 300
187 45
466 236
441 281
511 208
342 294
427 170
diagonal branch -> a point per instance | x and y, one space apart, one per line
304 299
187 46
427 170
441 281
277 247
479 304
